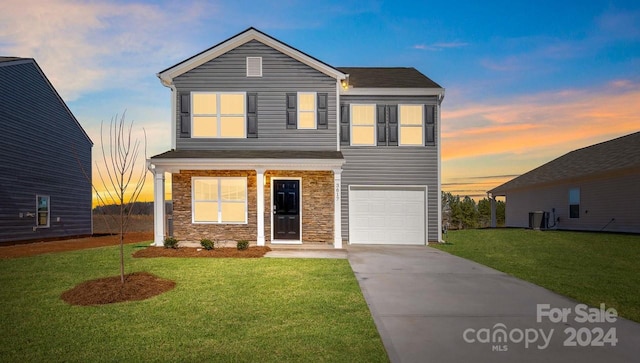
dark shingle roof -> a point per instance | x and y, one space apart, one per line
248 154
617 154
387 77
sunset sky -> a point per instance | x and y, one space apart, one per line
524 83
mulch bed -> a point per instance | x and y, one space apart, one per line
109 290
251 252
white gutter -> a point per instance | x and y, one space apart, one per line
394 92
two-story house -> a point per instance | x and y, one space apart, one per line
272 145
45 159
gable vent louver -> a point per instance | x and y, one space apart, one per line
254 66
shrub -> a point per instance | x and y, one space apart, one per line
170 242
207 244
243 244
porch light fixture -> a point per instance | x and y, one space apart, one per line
345 83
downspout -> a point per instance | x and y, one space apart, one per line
337 114
438 120
169 84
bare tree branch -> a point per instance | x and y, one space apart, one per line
120 173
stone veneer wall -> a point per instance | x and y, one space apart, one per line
317 207
317 204
185 231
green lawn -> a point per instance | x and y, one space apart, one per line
241 310
592 268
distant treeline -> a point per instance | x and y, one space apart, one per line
464 213
137 208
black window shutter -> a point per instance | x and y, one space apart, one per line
323 117
393 125
344 124
292 112
185 117
430 124
252 115
381 124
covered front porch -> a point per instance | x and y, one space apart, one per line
292 200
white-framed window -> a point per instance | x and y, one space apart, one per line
218 115
43 208
363 125
574 203
219 200
307 110
411 118
254 66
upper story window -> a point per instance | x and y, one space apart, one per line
306 110
411 125
42 212
219 200
363 120
254 66
218 115
574 203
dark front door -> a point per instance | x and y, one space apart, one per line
286 209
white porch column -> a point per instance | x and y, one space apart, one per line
158 207
337 208
260 205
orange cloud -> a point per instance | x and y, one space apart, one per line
515 135
565 120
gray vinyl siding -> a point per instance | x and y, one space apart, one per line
41 150
600 202
281 74
391 165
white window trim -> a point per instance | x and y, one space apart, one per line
315 110
286 241
260 67
246 199
421 126
218 115
351 125
38 196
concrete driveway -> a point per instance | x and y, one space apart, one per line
430 306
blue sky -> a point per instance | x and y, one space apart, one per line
525 82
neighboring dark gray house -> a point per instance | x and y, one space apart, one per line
596 188
274 146
44 193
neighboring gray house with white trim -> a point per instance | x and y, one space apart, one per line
44 193
596 188
272 145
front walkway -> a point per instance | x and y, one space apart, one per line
430 306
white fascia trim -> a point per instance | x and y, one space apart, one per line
168 75
392 92
175 165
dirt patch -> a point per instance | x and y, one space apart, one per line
38 248
109 290
251 252
109 223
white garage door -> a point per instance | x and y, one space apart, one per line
386 215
